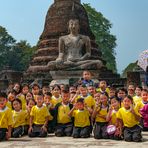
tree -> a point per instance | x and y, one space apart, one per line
17 55
100 26
6 44
21 56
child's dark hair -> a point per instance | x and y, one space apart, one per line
116 98
81 100
12 91
18 100
3 94
45 86
112 89
56 85
130 98
87 72
31 100
48 94
121 89
65 91
145 90
104 93
139 87
35 85
25 85
75 86
40 93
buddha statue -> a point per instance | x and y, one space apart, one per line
74 52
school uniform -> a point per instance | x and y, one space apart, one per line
64 124
88 100
100 129
5 121
81 124
9 105
113 121
55 101
132 130
51 124
39 115
19 126
23 100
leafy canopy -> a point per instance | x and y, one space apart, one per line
100 27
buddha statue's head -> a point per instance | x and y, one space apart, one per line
73 26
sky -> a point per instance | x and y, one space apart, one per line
24 20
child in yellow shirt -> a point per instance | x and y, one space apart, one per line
129 118
56 95
11 97
39 117
103 87
137 96
30 103
99 114
64 124
112 119
6 120
22 95
49 105
81 117
19 119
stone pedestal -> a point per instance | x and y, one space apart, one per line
70 77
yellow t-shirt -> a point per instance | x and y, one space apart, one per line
63 116
106 90
39 114
9 105
23 100
55 101
113 120
102 112
136 99
89 100
139 105
127 117
19 118
48 108
81 118
6 118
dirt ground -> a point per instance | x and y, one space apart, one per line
68 142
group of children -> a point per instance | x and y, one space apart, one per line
79 111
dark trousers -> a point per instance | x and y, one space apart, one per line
51 126
20 131
81 132
3 134
64 130
37 131
132 133
100 130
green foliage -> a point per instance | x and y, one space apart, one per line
100 26
129 68
13 54
6 44
21 56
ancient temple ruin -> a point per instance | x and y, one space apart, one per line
56 24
